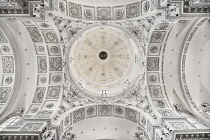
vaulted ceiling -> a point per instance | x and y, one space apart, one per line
109 70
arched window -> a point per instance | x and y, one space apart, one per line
11 121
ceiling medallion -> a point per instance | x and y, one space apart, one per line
119 13
89 13
105 62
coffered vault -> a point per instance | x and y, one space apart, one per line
87 69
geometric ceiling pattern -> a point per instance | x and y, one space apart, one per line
7 70
104 70
104 62
115 12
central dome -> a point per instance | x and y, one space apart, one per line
104 61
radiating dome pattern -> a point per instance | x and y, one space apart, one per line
104 61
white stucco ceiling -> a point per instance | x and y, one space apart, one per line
105 128
198 65
108 76
103 2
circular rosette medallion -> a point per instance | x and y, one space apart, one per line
118 13
104 62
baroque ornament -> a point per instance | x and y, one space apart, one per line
105 74
149 126
155 91
50 36
160 104
146 6
153 49
43 80
104 13
32 127
67 121
55 63
164 25
8 80
5 49
89 13
62 6
75 10
118 110
56 78
166 113
35 34
180 125
153 78
42 64
69 96
43 114
143 121
153 63
141 135
133 10
39 95
54 49
49 106
131 115
2 38
158 36
118 13
34 110
44 25
90 111
68 135
4 94
53 92
8 64
78 115
40 48
105 110
153 4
